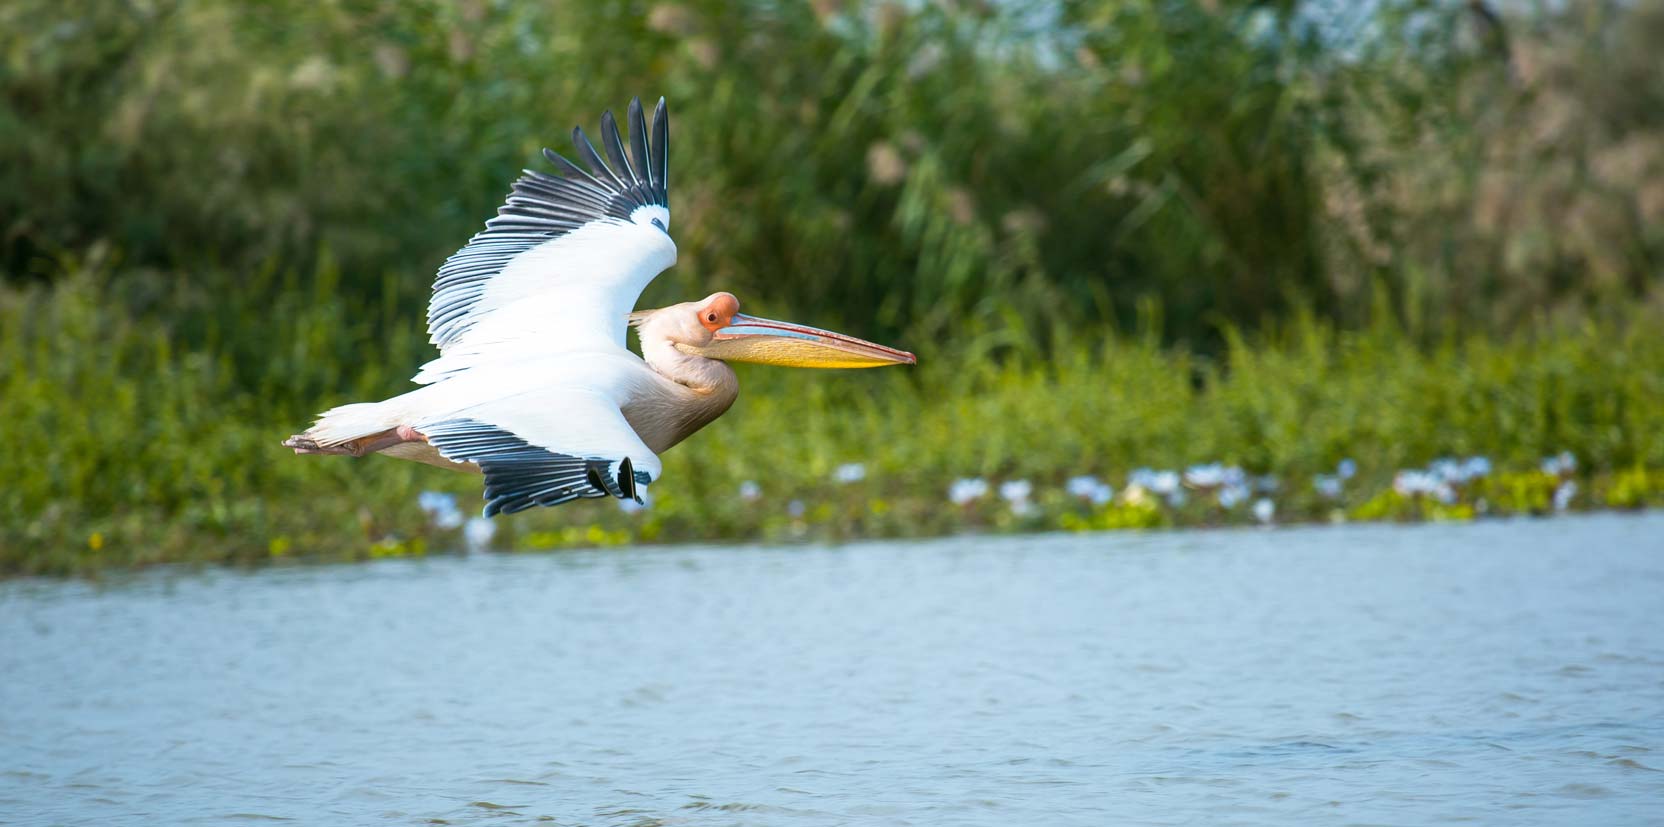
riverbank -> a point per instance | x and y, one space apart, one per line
139 437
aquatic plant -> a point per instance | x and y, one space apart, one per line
1016 495
1089 488
1563 464
477 532
1563 494
1330 486
441 509
967 490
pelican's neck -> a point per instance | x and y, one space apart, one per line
695 391
695 372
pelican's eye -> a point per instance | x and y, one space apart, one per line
710 317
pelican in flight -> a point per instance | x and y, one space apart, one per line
533 387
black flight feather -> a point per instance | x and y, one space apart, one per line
638 144
614 145
592 159
659 150
519 475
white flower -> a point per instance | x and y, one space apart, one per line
1082 486
1346 469
1159 482
478 532
1411 483
1330 487
963 491
850 472
1015 490
1423 483
1563 464
1088 487
1205 476
1264 510
1015 493
1214 475
1135 494
440 508
432 501
1563 494
750 490
1459 472
1445 469
1232 496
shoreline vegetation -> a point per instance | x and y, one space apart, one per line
1164 262
152 452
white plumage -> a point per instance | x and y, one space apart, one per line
533 386
572 293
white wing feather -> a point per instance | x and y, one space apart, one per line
572 293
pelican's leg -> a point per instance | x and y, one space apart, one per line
384 440
363 446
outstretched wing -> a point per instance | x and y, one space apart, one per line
565 259
531 458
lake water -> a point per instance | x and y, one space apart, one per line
1496 673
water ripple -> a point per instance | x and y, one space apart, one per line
1498 673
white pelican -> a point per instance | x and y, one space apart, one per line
533 386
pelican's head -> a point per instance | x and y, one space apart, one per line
715 328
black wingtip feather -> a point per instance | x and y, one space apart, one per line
614 145
638 143
587 154
627 480
659 146
566 166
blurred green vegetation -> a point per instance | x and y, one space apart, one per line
1119 233
138 449
1033 169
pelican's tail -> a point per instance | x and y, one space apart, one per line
340 430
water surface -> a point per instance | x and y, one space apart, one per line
1498 673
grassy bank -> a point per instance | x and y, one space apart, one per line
140 432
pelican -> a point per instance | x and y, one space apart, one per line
534 387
